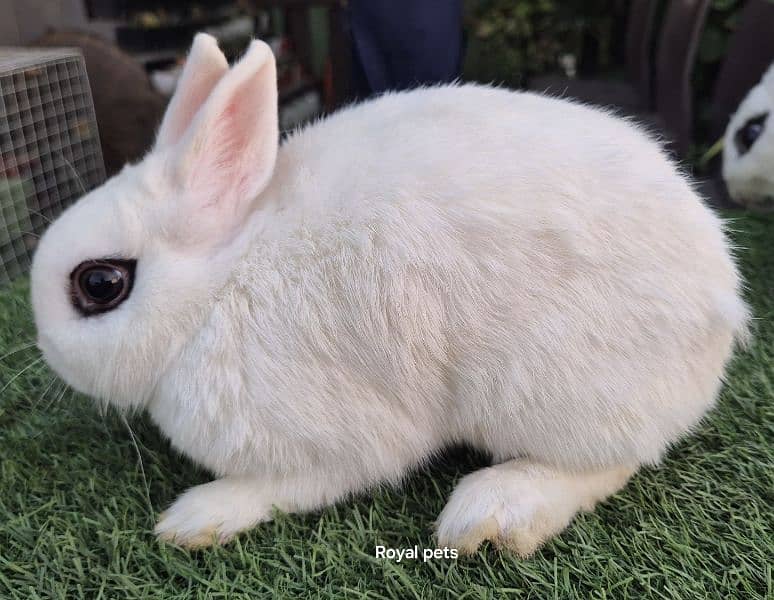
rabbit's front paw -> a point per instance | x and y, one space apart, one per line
213 513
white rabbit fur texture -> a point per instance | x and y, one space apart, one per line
458 264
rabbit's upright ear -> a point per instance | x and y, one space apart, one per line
227 156
203 68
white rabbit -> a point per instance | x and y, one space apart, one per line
748 148
459 264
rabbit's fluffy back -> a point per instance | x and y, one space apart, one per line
461 264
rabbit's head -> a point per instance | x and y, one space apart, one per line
126 274
748 148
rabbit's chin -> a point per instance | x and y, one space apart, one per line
116 387
755 194
73 376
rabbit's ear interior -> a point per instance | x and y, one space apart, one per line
204 67
227 155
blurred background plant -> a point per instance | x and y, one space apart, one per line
511 41
722 20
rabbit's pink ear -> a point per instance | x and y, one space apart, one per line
203 68
226 158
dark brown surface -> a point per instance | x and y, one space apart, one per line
639 27
617 94
341 55
675 56
127 108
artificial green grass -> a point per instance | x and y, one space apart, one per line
78 499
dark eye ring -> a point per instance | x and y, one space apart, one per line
97 286
746 136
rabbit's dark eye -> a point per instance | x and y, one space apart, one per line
98 286
747 134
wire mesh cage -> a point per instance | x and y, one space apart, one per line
49 146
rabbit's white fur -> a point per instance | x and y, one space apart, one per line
459 264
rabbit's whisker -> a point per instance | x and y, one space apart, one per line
45 392
20 372
41 215
26 346
139 462
75 173
57 398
